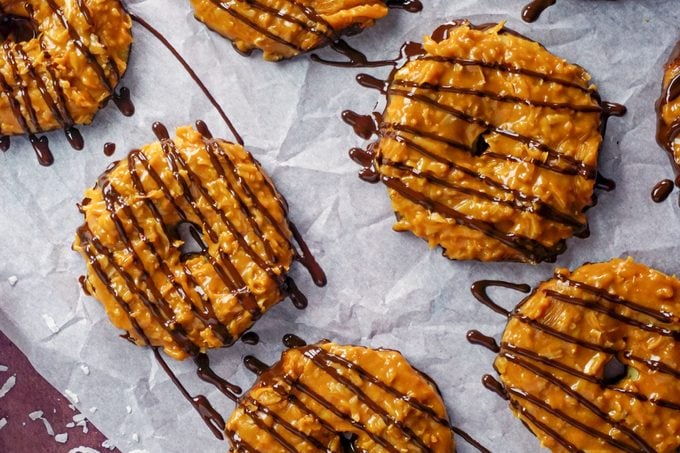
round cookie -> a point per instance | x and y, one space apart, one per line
60 62
328 397
489 144
668 110
144 209
286 28
590 361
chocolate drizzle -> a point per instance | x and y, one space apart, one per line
371 159
293 389
543 367
53 96
533 10
159 36
666 134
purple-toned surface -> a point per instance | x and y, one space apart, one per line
24 394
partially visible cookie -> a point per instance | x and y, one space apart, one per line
590 361
142 211
489 145
668 109
333 398
286 28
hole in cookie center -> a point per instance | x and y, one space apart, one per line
614 371
348 442
16 28
480 145
192 237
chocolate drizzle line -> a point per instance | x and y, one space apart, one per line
292 389
163 40
666 134
313 23
370 159
529 360
148 292
533 10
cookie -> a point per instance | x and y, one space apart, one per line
59 64
590 361
334 398
488 144
141 215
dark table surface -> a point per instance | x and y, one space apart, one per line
30 408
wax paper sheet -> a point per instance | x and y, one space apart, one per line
384 288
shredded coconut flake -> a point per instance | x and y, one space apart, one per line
7 386
85 369
35 415
72 397
13 280
82 449
108 444
3 368
128 409
135 437
61 438
54 328
3 422
93 409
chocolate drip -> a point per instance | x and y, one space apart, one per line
254 365
124 102
662 190
519 356
159 36
412 6
479 291
200 403
4 143
109 149
476 337
533 10
206 374
250 338
371 160
293 341
355 58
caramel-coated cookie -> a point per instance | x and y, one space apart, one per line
590 361
286 28
60 62
141 213
327 397
489 144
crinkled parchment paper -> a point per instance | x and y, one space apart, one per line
385 289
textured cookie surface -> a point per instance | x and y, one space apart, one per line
668 109
489 145
591 360
286 28
162 294
60 61
327 397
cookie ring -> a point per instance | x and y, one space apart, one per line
60 66
334 398
287 28
590 361
188 301
488 144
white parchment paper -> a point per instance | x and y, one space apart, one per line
385 289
